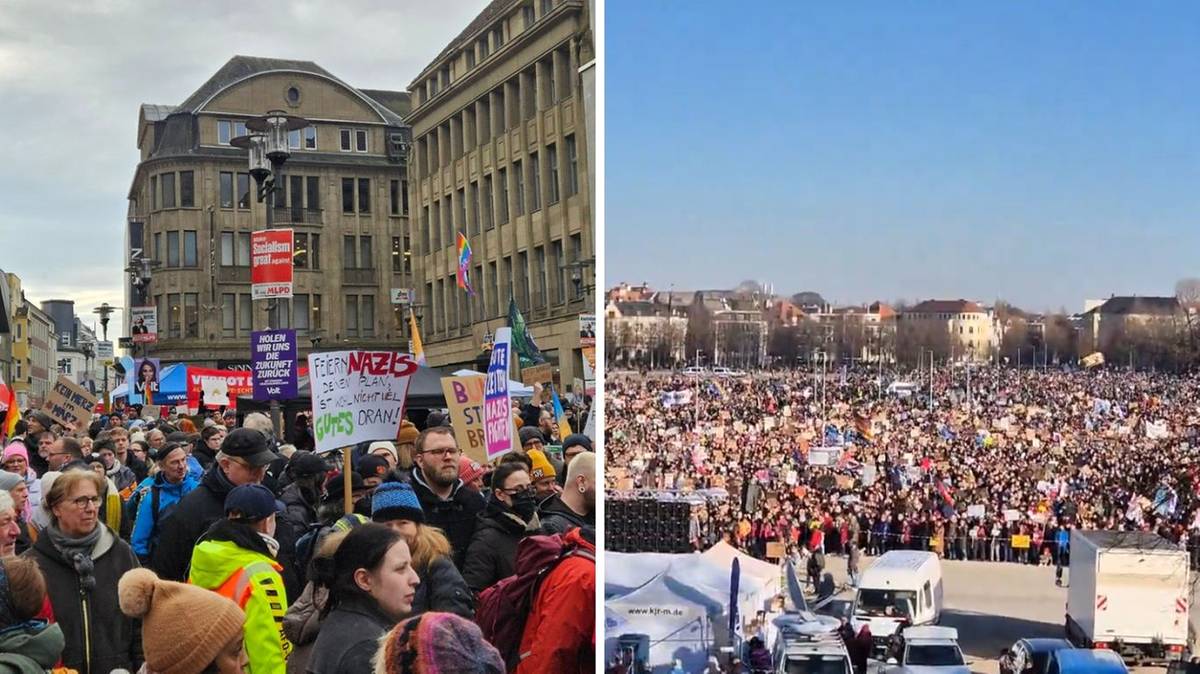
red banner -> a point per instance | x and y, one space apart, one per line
239 382
271 263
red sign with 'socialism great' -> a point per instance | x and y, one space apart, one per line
271 264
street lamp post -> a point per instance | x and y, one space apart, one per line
105 312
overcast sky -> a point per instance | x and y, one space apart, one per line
73 73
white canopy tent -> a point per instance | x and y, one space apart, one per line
625 572
723 554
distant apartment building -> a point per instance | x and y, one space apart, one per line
954 329
645 333
858 334
1118 321
34 349
501 156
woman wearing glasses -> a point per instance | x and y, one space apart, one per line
509 516
82 561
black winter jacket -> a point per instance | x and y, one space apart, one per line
557 518
457 516
349 638
492 554
443 590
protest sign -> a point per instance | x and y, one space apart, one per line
143 324
271 263
775 550
1012 515
464 397
978 510
70 404
358 396
497 408
868 475
237 383
274 364
1020 542
538 374
587 329
151 411
143 379
216 392
824 456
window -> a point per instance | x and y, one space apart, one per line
403 196
461 222
300 313
474 208
470 54
345 138
360 140
485 119
174 315
547 5
349 253
572 167
243 249
427 226
226 249
447 223
367 315
552 162
528 100
245 314
226 188
347 195
502 196
546 65
313 193
539 269
314 316
576 256
519 176
365 259
297 192
501 116
187 192
191 314
483 47
394 197
294 139
228 315
493 289
224 131
300 250
535 184
523 277
527 15
239 129
172 249
243 190
556 258
279 313
158 246
351 314
487 202
497 37
167 180
310 138
435 227
397 255
364 195
154 192
189 249
160 312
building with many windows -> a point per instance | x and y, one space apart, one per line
954 329
344 191
34 348
500 155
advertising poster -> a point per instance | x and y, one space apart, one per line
143 322
587 330
273 360
143 380
271 264
497 408
358 396
70 404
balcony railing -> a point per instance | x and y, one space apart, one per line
298 216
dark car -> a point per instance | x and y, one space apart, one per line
1031 656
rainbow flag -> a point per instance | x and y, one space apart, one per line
418 350
564 428
464 264
9 398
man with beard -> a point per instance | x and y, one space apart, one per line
576 505
447 505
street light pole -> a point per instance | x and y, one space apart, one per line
104 311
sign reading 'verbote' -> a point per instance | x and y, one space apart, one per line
70 404
358 396
497 410
271 263
273 353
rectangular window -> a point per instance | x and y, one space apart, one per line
239 129
160 311
191 314
435 228
360 140
364 195
552 162
535 183
483 48
158 246
394 197
154 192
560 273
397 255
300 250
243 249
314 251
426 229
297 192
351 314
224 131
487 203
367 315
527 15
470 54
189 249
228 315
548 92
226 249
187 189
310 138
547 5
349 253
493 289
243 190
279 313
576 256
501 115
226 188
474 208
245 314
172 249
539 271
523 277
174 315
447 222
461 222
314 316
347 195
572 167
312 196
294 139
300 313
502 196
519 176
366 260
167 181
345 138
404 197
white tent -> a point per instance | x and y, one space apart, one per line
625 572
723 554
515 388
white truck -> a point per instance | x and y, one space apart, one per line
1128 592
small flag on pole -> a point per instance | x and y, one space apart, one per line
564 428
464 264
417 349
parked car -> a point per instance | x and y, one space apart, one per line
1031 656
722 372
1084 661
929 649
695 371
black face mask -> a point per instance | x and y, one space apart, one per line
524 505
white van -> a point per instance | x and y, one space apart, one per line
903 588
903 389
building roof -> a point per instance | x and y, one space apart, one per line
946 307
1139 306
494 10
645 309
398 102
153 112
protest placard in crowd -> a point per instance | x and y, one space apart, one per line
497 409
357 396
237 383
274 364
69 404
464 398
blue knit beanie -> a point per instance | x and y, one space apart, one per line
396 501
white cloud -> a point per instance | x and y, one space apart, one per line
74 73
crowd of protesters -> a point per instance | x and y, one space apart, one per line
205 543
985 463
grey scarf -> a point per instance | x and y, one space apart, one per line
78 551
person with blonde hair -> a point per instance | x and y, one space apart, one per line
442 588
82 560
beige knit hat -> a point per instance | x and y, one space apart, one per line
184 627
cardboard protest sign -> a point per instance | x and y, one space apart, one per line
358 396
237 383
538 374
152 411
824 456
274 364
978 510
497 408
216 392
69 404
1011 515
775 550
587 329
464 397
271 263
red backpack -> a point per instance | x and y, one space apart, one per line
504 607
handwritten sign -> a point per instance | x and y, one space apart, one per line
537 374
274 364
358 396
464 397
70 404
497 410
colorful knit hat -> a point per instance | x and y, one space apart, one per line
469 469
184 627
437 643
396 501
15 449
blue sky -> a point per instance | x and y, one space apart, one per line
1040 152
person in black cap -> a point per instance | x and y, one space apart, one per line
333 506
373 469
303 495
